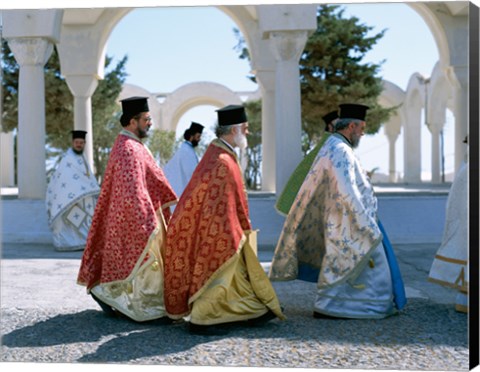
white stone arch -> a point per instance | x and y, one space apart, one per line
437 29
84 33
94 27
440 98
188 96
130 90
392 96
275 36
440 95
448 22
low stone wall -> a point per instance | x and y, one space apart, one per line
24 221
407 217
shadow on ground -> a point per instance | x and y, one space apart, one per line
422 322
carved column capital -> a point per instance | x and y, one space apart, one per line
32 51
288 45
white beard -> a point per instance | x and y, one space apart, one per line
241 140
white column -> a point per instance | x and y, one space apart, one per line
266 80
31 54
7 159
83 87
392 172
436 153
412 143
460 80
287 47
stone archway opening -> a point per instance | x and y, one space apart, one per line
174 47
438 44
182 101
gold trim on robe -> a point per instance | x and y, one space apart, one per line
140 295
239 291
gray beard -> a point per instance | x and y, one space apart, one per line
241 141
355 142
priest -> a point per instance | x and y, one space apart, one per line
212 275
180 168
122 266
72 194
332 235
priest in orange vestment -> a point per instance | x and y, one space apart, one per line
122 266
212 273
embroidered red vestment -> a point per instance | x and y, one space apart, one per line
133 189
207 227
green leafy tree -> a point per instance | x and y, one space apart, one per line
59 106
253 170
332 72
10 70
162 144
9 79
106 113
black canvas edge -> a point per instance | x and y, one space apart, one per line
473 139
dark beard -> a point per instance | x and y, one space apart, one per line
78 152
142 133
194 143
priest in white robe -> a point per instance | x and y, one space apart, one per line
332 236
72 194
180 168
450 265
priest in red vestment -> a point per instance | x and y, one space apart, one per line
212 273
122 266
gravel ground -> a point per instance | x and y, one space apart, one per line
424 336
46 317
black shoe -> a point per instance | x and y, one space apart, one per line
207 330
164 320
107 309
317 315
262 320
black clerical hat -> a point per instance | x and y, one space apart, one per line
353 111
231 114
331 116
196 128
78 134
133 106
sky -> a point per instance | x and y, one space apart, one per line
168 47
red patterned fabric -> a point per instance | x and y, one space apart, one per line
134 188
206 228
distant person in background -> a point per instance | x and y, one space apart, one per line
180 168
332 235
290 191
122 266
450 265
72 194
